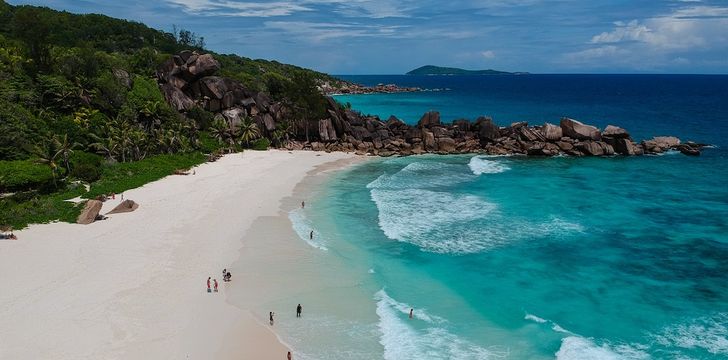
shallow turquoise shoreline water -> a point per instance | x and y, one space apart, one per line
614 258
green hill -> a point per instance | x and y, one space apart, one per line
439 70
79 101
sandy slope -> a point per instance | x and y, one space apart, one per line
133 286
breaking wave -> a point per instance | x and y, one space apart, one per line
481 165
431 341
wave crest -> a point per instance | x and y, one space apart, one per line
402 341
480 165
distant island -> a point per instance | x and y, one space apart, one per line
439 70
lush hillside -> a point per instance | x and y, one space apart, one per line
439 70
79 96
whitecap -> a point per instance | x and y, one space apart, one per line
480 165
535 318
579 348
435 221
708 333
554 326
412 208
402 341
303 227
422 174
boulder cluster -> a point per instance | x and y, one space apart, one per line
347 130
188 80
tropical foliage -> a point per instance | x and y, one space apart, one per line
79 101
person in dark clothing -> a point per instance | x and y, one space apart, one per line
299 308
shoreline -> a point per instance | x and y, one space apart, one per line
308 273
133 286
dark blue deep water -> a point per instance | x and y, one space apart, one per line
688 106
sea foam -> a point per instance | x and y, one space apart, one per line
481 165
579 348
708 333
303 227
433 341
412 208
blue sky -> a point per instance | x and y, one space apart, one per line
395 36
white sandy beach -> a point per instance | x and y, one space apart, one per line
133 286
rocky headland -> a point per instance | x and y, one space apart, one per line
350 88
188 80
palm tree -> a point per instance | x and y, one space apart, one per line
219 130
47 153
106 145
65 150
282 133
247 131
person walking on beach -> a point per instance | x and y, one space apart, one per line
311 235
122 196
215 281
224 273
299 308
208 284
289 356
303 204
271 318
411 311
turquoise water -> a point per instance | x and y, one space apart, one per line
531 258
537 258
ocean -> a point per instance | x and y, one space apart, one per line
528 258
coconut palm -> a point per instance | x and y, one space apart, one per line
47 153
247 131
64 150
219 130
105 145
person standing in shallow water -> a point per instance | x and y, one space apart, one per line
299 308
311 235
411 313
303 204
271 318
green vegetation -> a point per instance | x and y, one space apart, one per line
79 103
39 207
439 70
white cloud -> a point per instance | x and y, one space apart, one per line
488 54
317 32
241 9
623 32
673 39
352 8
683 29
607 51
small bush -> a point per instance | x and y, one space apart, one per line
261 144
23 175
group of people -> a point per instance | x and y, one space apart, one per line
299 309
214 281
212 284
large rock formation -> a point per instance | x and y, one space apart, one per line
189 80
552 132
579 131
